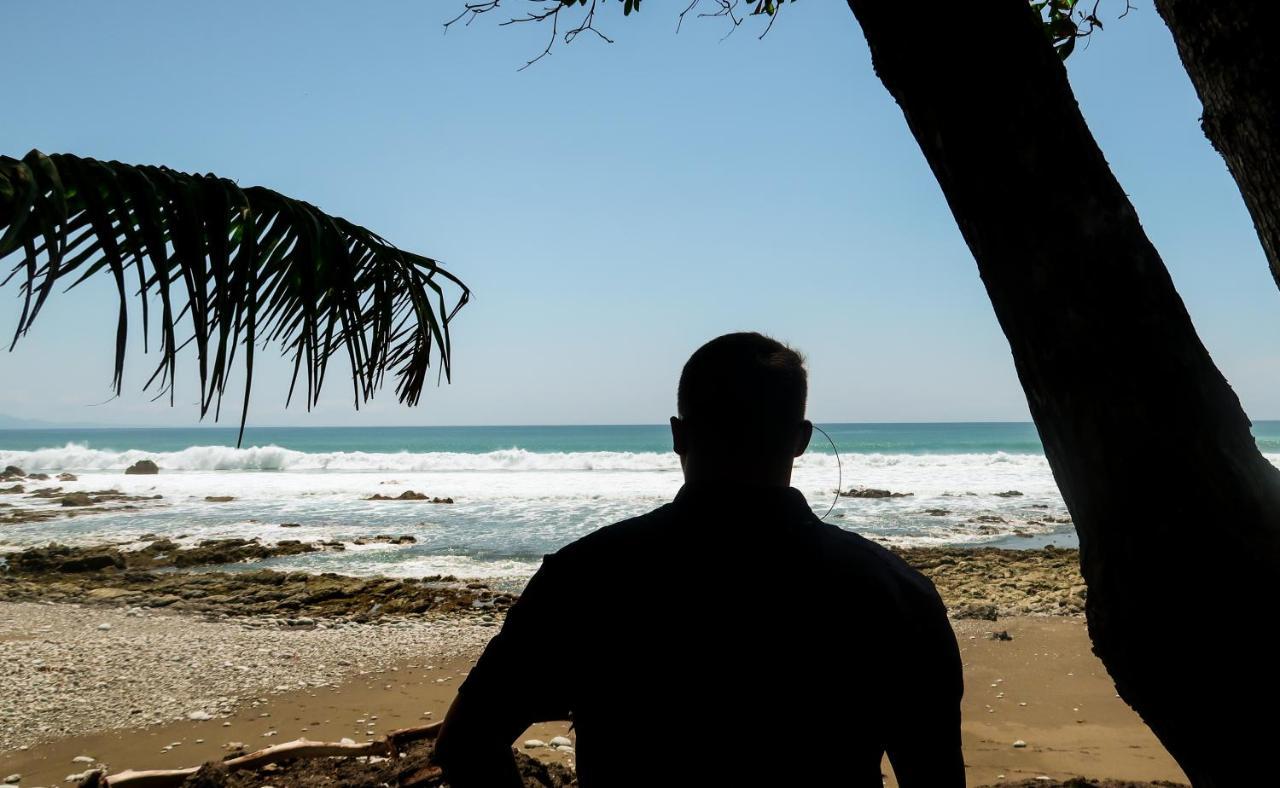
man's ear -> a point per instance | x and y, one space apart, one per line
679 442
803 436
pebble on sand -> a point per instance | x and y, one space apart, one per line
82 759
533 744
104 627
561 741
1019 744
13 778
199 715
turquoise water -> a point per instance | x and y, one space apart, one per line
905 438
1012 437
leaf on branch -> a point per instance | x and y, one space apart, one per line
235 268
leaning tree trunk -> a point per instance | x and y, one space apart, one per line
1229 50
1178 513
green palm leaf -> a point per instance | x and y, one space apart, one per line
227 268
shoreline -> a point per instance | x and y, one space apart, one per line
217 578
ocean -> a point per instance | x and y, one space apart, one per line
521 492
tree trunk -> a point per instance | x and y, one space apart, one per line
1228 49
1178 513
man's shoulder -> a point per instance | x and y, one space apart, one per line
623 536
875 562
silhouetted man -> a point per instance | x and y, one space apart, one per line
729 637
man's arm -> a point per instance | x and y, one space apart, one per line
924 746
511 687
474 749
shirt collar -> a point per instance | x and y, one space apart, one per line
731 495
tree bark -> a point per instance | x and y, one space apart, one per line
1177 511
1229 51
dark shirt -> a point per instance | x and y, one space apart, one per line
727 638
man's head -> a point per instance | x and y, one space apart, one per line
741 403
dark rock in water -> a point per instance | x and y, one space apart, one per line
92 563
385 539
1008 494
408 495
219 498
142 467
937 512
63 558
77 499
871 492
41 476
160 545
12 470
987 518
67 477
290 525
231 551
14 490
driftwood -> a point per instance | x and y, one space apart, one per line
388 746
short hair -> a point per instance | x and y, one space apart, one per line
744 384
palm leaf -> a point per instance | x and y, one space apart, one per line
227 268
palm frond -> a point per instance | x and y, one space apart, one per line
234 268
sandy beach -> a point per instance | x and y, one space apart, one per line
129 686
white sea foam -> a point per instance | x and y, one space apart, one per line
513 505
78 457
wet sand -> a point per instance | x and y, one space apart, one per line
1072 722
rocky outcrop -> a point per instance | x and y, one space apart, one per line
408 495
384 539
58 558
159 554
220 551
77 499
11 472
142 467
219 498
296 599
988 583
72 504
981 583
871 492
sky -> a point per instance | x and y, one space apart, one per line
612 207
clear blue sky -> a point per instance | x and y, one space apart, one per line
612 207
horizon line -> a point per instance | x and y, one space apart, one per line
57 426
